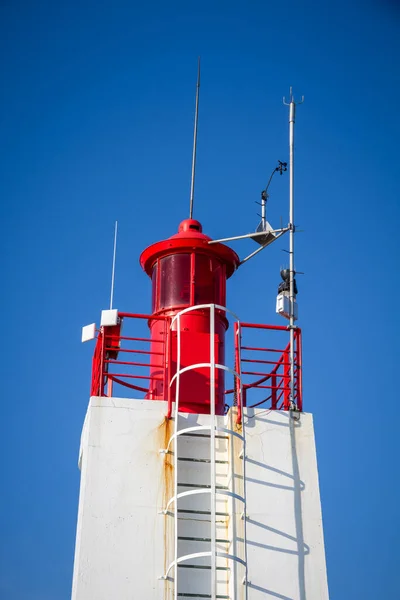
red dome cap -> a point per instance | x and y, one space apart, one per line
190 237
190 225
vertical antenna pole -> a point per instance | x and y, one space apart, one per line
113 264
292 118
196 118
263 210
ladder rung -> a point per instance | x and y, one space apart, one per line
203 539
201 486
203 567
218 596
203 460
204 435
201 512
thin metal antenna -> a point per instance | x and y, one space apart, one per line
282 166
196 118
113 264
292 118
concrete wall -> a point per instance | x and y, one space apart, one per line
285 545
124 542
120 535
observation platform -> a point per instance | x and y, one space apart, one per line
127 361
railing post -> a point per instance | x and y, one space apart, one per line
95 384
273 392
299 363
167 368
286 379
238 387
102 358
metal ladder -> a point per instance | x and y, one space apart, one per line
205 513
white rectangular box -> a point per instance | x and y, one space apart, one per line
283 306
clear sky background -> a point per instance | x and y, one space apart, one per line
96 117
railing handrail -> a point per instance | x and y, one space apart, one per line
283 361
263 379
110 342
201 306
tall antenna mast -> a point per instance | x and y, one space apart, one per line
196 118
292 117
113 264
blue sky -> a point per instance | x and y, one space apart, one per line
96 125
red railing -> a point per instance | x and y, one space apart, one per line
270 373
276 374
109 365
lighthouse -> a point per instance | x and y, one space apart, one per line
198 464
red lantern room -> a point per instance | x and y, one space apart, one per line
186 271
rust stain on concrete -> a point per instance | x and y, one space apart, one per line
164 431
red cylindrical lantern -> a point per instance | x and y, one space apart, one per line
187 271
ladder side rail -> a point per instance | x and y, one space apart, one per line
176 462
241 404
212 452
